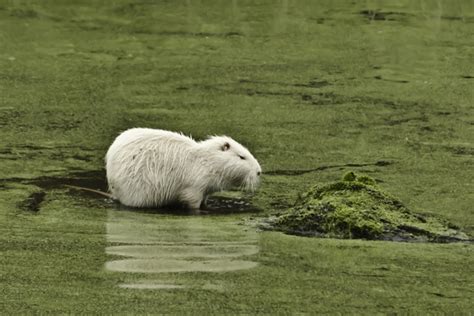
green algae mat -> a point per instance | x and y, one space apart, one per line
314 89
356 208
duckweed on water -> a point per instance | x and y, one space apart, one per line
355 208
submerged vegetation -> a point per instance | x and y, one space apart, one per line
356 208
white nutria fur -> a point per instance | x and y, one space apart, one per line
151 168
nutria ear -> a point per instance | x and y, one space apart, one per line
225 147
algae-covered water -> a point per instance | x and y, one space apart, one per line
312 88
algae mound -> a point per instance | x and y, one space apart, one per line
355 208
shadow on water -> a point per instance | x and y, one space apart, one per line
91 186
216 205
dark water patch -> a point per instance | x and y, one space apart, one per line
377 15
226 205
83 157
24 13
355 208
11 154
92 186
298 172
461 150
32 147
248 87
28 13
88 179
315 98
311 84
400 121
323 98
427 129
96 24
89 26
467 77
33 202
6 151
326 98
251 92
367 275
455 149
216 205
390 80
199 34
465 19
442 295
330 98
388 103
147 31
63 123
320 20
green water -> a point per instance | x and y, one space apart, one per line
312 88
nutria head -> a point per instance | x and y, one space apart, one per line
234 163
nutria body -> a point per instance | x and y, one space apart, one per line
152 167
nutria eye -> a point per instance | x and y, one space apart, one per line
242 157
225 147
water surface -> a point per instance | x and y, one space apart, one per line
312 88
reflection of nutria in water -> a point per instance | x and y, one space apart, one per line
151 167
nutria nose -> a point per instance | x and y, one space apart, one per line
258 173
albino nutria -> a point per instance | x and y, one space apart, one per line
151 168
